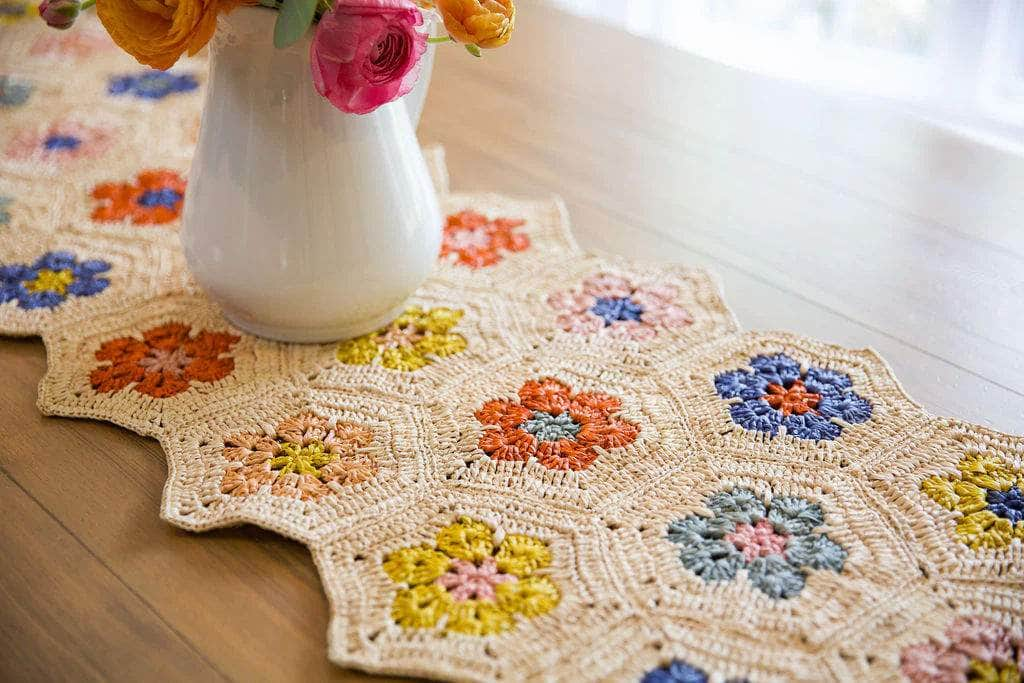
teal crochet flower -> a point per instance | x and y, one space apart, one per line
775 544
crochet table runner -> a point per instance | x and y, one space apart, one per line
553 465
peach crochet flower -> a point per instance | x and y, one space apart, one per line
302 456
562 430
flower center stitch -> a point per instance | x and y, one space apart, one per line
547 427
792 399
163 197
474 238
61 142
168 361
758 540
47 280
308 459
616 309
468 581
399 335
1007 504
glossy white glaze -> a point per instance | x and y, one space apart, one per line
304 223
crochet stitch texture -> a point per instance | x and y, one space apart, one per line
551 466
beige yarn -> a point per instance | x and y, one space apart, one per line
626 603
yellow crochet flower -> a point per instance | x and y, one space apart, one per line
477 588
409 343
990 496
12 11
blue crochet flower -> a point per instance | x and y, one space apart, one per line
152 85
54 277
775 544
680 672
14 92
775 393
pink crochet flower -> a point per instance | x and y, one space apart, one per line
758 540
467 581
367 53
79 44
973 644
61 141
612 304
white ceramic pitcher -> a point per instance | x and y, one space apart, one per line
302 222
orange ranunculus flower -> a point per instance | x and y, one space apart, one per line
485 23
157 32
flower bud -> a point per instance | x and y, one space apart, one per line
59 13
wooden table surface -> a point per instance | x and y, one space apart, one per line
828 217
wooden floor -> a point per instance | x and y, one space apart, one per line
822 216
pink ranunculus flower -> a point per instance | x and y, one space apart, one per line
367 53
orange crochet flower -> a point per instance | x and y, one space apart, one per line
155 198
474 240
158 32
165 362
562 430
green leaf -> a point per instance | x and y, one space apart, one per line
292 22
473 50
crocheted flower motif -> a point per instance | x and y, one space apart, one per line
164 362
680 672
14 92
154 198
775 544
776 393
63 141
989 494
474 240
152 85
12 11
412 341
606 302
79 44
467 584
305 458
49 281
975 650
562 430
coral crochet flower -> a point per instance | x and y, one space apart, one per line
776 393
775 544
164 362
62 141
989 494
77 45
465 583
471 239
155 198
152 85
55 276
562 430
304 458
975 650
409 343
611 303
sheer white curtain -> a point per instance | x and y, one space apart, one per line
959 63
